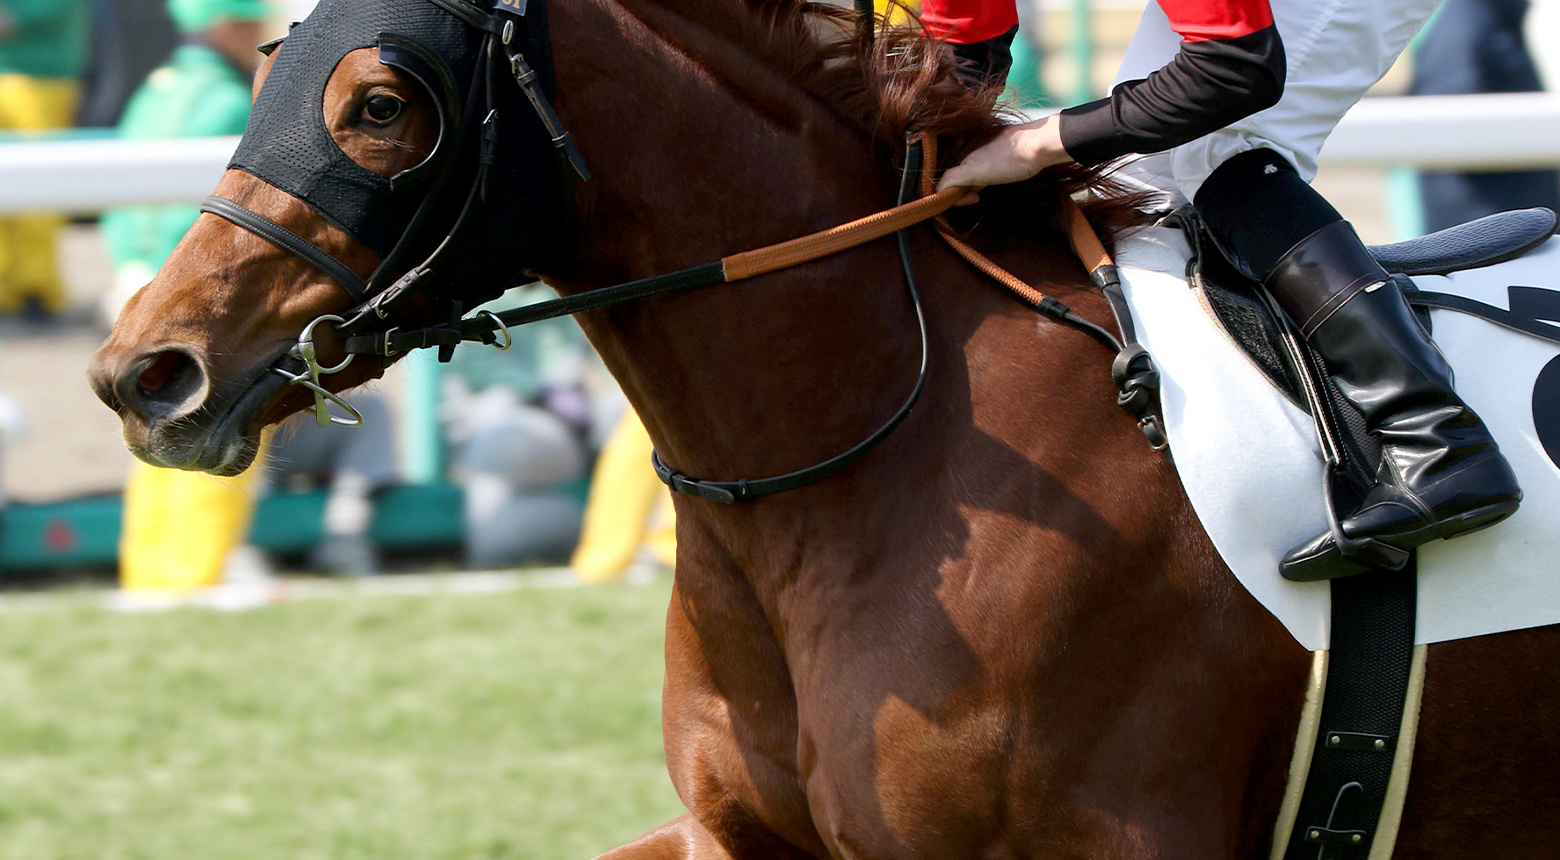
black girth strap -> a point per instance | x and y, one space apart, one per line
1368 666
286 239
1370 655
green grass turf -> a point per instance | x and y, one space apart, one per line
523 724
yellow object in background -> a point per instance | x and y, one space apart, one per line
628 507
179 527
898 13
28 256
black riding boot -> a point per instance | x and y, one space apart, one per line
1441 473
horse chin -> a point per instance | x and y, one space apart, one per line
221 443
229 457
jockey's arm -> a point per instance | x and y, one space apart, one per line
1230 65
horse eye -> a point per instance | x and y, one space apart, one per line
382 108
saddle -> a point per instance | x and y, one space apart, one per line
1343 805
1245 312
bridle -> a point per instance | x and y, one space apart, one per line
363 333
502 31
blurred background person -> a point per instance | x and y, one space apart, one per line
128 39
1025 77
13 429
43 46
628 515
1477 46
202 91
522 425
1543 26
355 464
180 531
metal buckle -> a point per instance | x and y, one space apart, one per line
695 487
385 347
508 339
1155 434
1326 836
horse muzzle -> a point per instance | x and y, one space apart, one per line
175 417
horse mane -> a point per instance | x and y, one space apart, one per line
898 83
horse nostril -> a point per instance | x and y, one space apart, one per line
163 368
163 383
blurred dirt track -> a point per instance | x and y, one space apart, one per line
72 442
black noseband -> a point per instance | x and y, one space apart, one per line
286 239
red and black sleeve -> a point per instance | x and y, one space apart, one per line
1230 66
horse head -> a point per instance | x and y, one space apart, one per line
365 153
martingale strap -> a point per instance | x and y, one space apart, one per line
727 492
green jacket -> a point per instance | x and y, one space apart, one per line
197 94
49 38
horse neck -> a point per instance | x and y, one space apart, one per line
696 156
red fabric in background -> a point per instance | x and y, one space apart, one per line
965 22
1207 20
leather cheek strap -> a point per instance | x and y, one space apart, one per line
287 240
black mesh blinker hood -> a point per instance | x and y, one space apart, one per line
288 145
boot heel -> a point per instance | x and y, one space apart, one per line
1476 520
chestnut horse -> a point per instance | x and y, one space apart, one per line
1002 634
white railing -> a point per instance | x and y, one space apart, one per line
86 176
1468 132
1484 132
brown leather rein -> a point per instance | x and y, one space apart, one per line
1085 241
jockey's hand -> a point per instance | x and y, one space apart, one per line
1017 153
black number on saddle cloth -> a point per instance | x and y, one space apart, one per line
1537 303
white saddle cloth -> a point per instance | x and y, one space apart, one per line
1251 465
